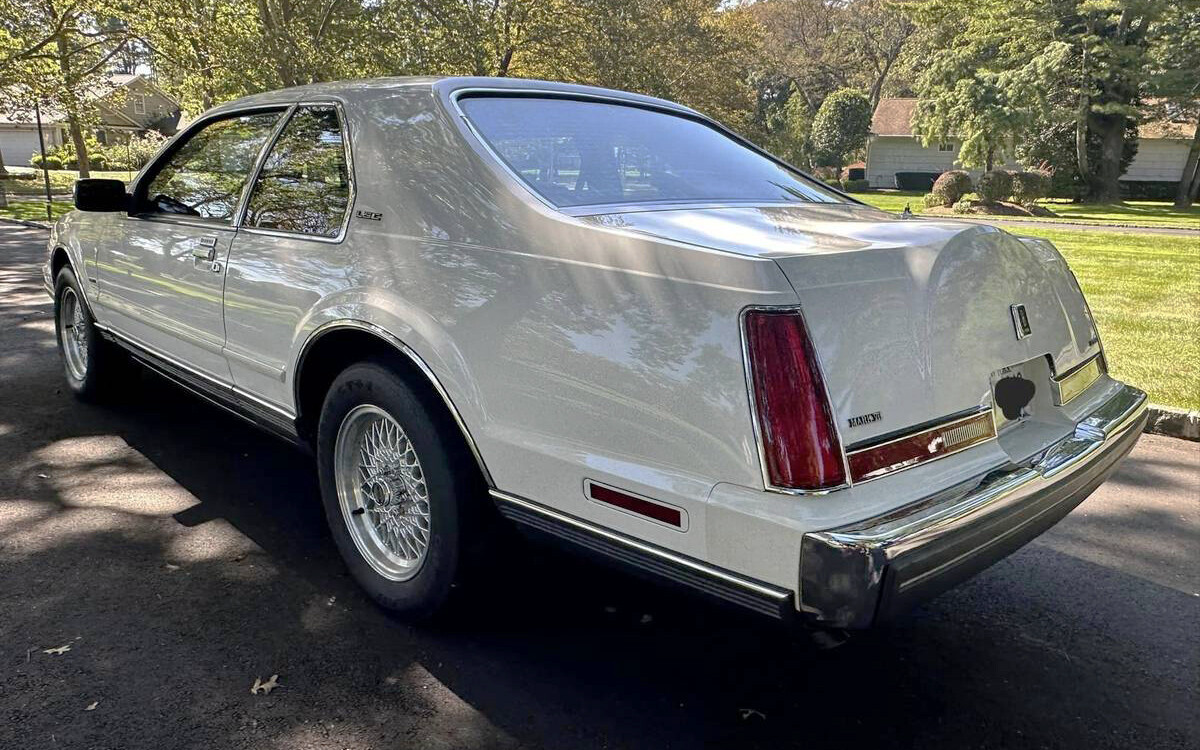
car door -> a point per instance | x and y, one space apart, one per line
288 252
162 273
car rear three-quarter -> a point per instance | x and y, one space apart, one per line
634 332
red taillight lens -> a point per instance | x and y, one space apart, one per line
800 444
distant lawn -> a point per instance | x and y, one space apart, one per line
1134 213
1145 293
29 181
33 210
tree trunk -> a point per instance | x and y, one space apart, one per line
3 169
72 109
1187 179
85 167
3 173
990 162
1107 187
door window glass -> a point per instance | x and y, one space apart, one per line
304 186
205 177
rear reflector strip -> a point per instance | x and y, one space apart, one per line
1077 381
641 506
926 445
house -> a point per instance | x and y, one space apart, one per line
126 103
1162 149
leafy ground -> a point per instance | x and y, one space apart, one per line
1145 293
1133 213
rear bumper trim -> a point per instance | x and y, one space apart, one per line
869 572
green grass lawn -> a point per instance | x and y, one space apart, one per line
1145 293
29 181
33 210
1133 213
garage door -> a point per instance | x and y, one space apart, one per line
18 145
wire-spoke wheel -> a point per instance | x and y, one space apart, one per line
406 505
93 366
382 492
73 325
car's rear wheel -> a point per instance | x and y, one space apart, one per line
400 501
90 362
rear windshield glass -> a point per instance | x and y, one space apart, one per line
582 153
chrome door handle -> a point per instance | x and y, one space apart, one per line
205 249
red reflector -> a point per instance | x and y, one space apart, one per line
800 445
641 506
919 447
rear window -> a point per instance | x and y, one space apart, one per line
584 153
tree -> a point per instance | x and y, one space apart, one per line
993 69
1175 84
841 126
56 54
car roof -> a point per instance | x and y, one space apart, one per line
349 91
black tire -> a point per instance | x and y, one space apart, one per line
457 496
104 363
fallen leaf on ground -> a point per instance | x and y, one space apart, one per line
57 651
646 619
748 712
92 706
264 687
170 566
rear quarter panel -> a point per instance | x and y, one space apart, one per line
572 352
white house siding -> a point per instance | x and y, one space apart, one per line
1157 160
887 155
20 143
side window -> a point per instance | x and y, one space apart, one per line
304 185
205 177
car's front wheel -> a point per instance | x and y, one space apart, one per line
400 502
90 362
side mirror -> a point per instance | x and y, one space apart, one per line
101 195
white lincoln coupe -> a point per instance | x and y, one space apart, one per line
609 320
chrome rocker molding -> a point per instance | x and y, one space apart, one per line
647 559
259 413
867 573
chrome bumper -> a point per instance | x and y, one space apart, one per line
864 574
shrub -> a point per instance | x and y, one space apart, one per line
949 188
828 175
53 161
916 180
856 185
963 206
994 186
1029 187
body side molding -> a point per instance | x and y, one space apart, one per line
649 559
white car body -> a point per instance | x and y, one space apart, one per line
605 346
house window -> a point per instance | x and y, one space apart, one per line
946 147
139 105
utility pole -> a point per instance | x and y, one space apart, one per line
37 114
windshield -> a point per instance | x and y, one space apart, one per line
584 153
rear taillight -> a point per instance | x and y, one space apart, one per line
800 446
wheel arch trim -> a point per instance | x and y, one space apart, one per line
396 343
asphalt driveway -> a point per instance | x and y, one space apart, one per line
158 556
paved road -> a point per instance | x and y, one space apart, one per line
181 554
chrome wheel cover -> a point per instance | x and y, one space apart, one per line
72 327
381 492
